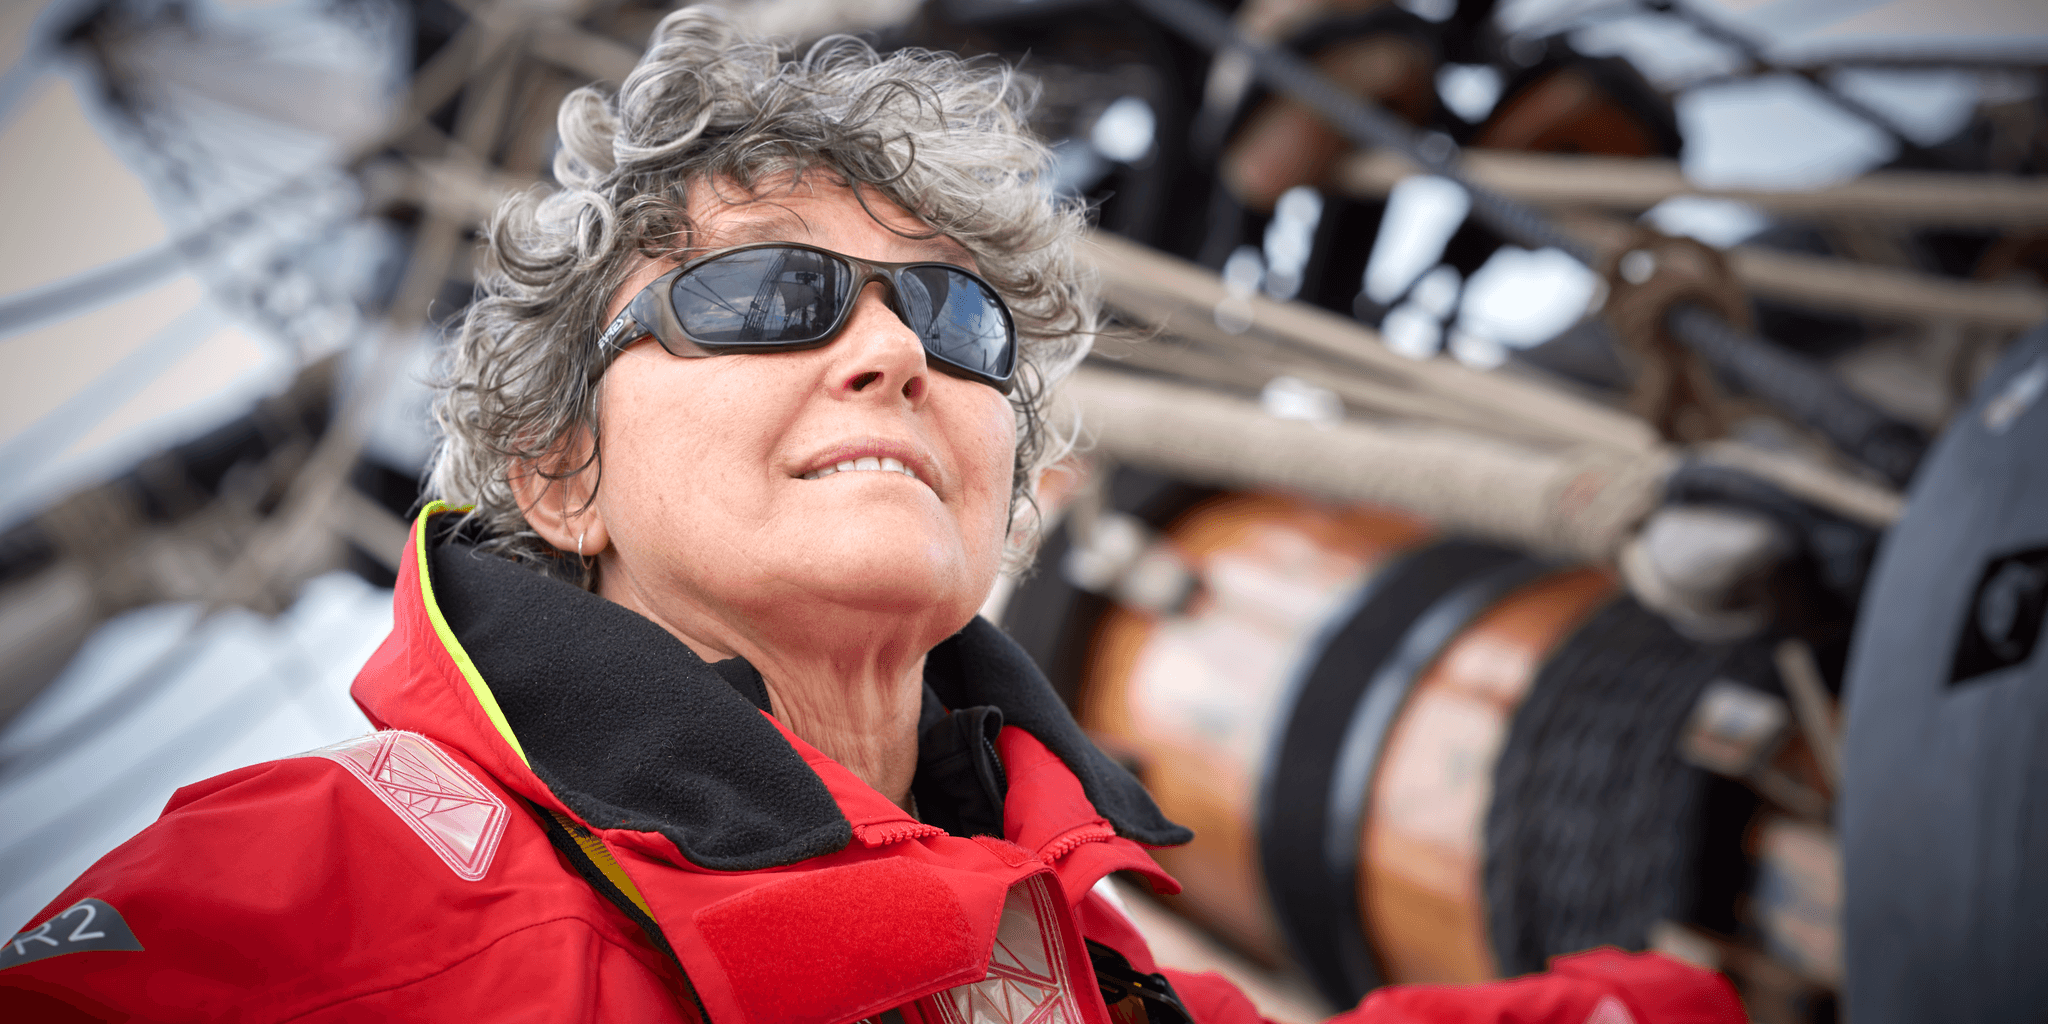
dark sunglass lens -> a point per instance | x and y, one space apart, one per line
762 297
958 319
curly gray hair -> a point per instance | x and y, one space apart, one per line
941 136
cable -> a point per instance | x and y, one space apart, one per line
1785 380
1866 434
246 706
52 433
1753 52
103 284
144 685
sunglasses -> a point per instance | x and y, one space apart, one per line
782 296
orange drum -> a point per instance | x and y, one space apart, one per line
1326 713
1570 103
1193 698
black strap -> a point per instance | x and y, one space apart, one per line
591 859
1132 995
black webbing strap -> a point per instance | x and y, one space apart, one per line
1133 995
594 861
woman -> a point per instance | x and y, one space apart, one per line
690 715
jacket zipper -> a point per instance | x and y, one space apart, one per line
1073 838
885 833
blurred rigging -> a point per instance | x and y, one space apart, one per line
1465 636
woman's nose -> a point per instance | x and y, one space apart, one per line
876 353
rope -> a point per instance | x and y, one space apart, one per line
1596 829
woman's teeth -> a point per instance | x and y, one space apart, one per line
861 466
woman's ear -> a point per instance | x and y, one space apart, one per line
557 494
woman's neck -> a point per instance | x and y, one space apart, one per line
867 722
850 683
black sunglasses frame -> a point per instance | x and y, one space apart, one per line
652 313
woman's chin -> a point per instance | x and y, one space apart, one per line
877 570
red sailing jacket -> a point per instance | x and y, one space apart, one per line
410 874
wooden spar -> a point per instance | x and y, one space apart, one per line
1863 288
1580 505
1182 299
1846 286
576 49
1909 197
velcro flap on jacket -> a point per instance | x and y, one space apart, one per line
847 942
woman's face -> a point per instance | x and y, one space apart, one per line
709 492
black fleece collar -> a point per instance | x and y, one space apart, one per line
632 730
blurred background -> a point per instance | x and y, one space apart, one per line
1572 475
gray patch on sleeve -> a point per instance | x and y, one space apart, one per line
85 926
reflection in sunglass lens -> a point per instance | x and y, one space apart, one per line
774 297
956 318
762 297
